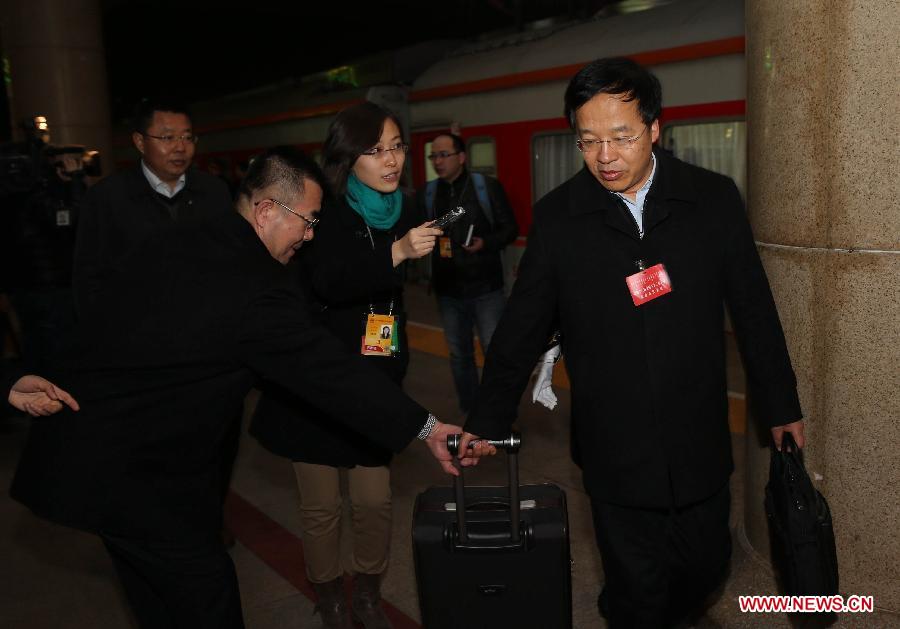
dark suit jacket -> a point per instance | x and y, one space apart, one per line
122 211
196 315
649 402
344 271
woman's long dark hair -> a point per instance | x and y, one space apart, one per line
354 130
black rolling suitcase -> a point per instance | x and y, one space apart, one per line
474 570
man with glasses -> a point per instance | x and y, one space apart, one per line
466 267
637 257
127 207
209 311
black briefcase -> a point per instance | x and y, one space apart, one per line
493 557
800 526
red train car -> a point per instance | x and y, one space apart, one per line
503 94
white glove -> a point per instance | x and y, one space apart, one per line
543 390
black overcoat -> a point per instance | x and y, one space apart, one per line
344 271
198 314
649 398
122 211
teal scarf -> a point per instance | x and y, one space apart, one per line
378 210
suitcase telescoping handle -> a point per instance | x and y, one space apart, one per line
511 444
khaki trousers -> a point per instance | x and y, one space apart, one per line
321 505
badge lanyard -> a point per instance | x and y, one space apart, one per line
380 336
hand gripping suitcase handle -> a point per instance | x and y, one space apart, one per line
511 444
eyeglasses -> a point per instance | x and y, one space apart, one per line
441 155
172 139
310 222
589 146
377 151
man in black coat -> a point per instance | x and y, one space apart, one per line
637 257
192 319
126 208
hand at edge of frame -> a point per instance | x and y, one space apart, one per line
39 397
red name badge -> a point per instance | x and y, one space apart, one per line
649 284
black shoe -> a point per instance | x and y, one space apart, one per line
366 602
332 605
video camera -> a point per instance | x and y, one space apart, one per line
35 164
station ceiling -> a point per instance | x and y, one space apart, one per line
201 49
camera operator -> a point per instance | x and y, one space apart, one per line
41 187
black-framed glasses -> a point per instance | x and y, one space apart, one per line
377 151
589 146
310 222
171 139
441 155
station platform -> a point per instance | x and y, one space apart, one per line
57 578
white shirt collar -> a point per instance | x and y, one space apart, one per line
642 192
161 186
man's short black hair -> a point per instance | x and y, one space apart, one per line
615 75
284 166
143 112
459 145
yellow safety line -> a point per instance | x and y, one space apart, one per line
430 340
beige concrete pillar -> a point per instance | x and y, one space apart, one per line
58 69
823 105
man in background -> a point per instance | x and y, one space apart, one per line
467 268
126 208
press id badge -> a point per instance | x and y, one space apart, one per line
380 338
445 247
648 284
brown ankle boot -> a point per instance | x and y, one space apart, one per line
366 604
332 605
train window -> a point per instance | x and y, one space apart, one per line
554 159
717 146
481 156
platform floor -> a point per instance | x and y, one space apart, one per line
57 578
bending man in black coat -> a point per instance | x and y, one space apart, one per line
196 316
637 255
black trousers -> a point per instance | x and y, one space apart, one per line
172 585
661 564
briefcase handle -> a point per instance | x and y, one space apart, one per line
511 444
789 455
787 441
